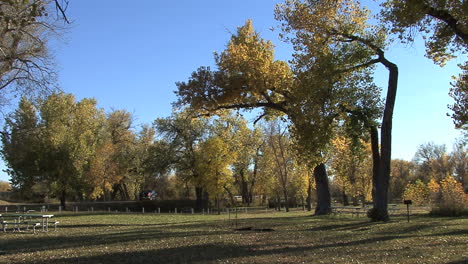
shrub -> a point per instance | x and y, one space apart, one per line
453 200
418 192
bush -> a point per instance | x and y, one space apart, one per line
452 200
417 192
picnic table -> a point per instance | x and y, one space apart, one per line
28 220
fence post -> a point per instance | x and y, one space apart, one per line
60 209
159 210
175 210
193 211
143 210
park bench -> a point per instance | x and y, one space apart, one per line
354 211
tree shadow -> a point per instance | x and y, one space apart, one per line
31 244
205 253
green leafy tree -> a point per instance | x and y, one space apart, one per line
119 127
336 35
459 92
21 151
61 137
68 140
182 134
444 26
444 21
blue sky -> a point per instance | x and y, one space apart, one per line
130 54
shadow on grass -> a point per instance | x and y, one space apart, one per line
343 227
205 253
33 243
463 261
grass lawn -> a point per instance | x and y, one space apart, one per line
296 237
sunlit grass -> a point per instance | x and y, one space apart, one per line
296 238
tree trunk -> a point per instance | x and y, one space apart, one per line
323 190
309 195
345 198
375 159
63 197
231 196
125 192
286 200
199 198
382 178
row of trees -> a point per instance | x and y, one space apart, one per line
67 148
62 148
326 90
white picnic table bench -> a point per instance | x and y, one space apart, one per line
28 220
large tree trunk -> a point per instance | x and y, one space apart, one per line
323 190
382 178
231 196
286 199
63 197
309 195
345 198
201 198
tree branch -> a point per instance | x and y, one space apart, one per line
451 22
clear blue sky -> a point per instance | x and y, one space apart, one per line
129 54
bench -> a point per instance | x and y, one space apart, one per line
350 210
33 225
55 223
4 225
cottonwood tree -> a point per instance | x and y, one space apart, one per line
183 134
21 145
69 140
248 77
119 128
215 159
444 26
247 144
339 29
